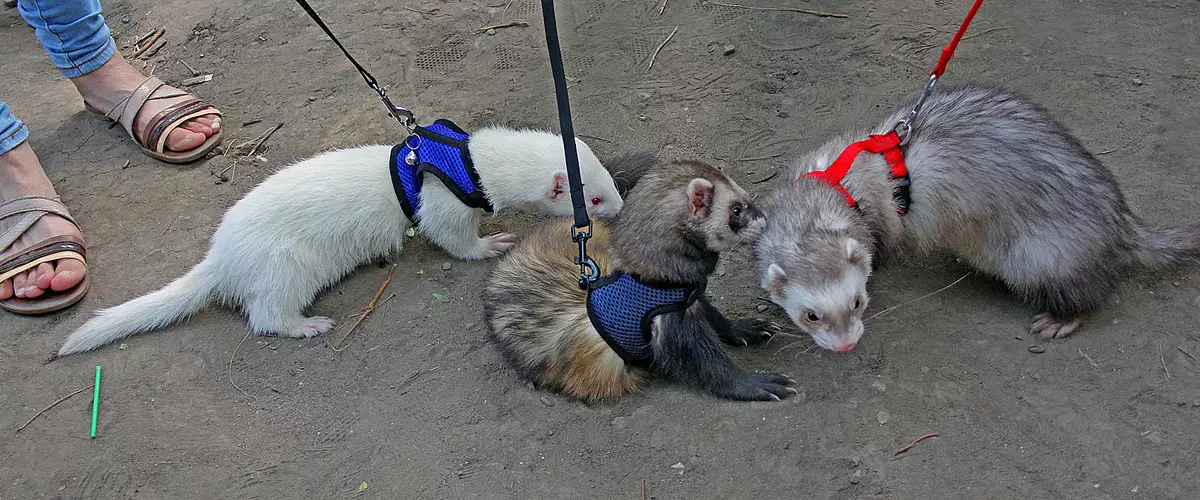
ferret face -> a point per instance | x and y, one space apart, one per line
600 194
728 218
821 284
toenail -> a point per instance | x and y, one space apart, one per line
20 291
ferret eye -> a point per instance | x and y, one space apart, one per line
812 316
596 201
735 210
857 303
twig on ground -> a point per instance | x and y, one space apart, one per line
767 178
660 47
782 9
601 139
505 25
370 308
419 11
1108 151
910 445
986 31
196 80
126 165
923 297
147 36
660 12
52 405
230 369
189 67
1163 358
263 138
643 480
1088 358
153 50
753 158
507 5
1185 353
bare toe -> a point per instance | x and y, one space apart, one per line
182 139
6 290
67 274
21 284
43 275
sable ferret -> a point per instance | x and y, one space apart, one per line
996 180
676 221
308 225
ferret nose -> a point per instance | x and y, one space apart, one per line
845 348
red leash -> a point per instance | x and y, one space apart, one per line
888 144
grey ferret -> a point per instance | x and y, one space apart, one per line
676 221
996 180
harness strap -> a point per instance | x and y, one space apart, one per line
887 145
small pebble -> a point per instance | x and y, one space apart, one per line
924 369
643 96
855 462
761 308
446 266
546 401
1196 403
491 31
1037 349
1176 283
642 118
1181 404
782 114
1137 81
882 417
729 50
530 385
311 99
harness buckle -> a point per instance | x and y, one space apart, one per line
589 271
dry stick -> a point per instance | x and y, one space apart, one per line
150 43
370 307
161 43
660 12
44 410
986 31
190 68
660 47
644 481
776 155
419 11
765 179
783 9
505 25
1163 358
923 297
507 5
263 138
145 37
910 445
230 370
1088 358
1185 353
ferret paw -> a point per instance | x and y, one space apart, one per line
497 244
749 331
762 387
311 327
1050 328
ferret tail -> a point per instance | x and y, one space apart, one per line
627 169
1161 247
174 302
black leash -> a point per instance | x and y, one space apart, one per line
402 115
588 271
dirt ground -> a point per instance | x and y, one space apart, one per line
421 405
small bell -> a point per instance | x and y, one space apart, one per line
411 158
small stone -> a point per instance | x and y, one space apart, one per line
782 114
491 31
546 401
1137 81
551 433
728 50
446 266
853 479
882 417
311 99
879 386
924 369
678 465
1037 349
856 477
124 20
1196 403
643 96
855 462
1176 283
762 308
1181 404
530 386
643 118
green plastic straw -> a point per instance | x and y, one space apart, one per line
96 402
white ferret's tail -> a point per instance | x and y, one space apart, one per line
174 302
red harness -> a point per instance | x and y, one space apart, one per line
888 144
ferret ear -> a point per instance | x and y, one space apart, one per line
560 186
700 197
856 253
776 279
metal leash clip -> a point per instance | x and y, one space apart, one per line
588 270
903 128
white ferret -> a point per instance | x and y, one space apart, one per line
307 226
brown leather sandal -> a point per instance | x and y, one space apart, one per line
153 139
13 261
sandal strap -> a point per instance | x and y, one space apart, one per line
155 134
33 208
126 111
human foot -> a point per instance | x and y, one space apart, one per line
21 176
110 85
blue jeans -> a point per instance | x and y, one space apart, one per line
74 34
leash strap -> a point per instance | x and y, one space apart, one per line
402 115
904 126
578 233
948 52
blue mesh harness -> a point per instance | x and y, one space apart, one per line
440 149
622 308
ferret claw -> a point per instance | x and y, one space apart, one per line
1049 328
